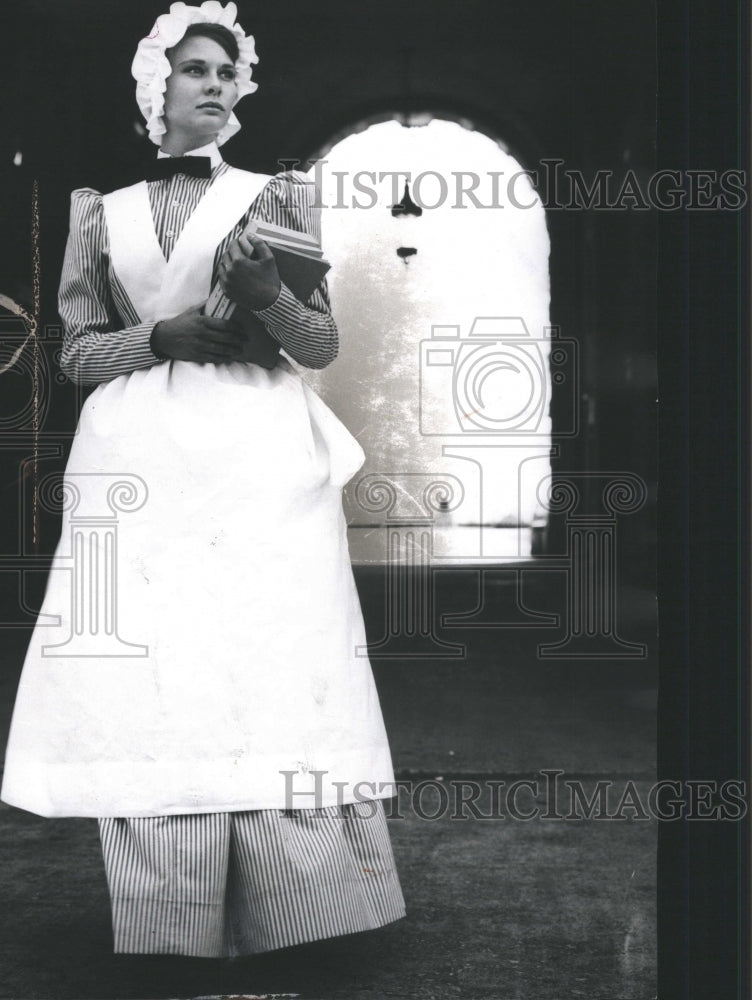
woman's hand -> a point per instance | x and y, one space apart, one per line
191 336
258 344
251 283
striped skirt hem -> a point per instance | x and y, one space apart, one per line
226 884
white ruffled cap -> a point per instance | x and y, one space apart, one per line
151 67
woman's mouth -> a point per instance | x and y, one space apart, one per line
211 106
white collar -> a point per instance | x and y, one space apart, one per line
211 150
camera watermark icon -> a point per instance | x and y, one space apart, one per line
499 379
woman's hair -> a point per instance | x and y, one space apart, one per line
219 34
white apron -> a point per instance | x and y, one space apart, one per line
229 653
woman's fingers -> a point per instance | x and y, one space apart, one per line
234 252
219 351
231 268
248 252
222 350
217 325
245 245
229 336
260 247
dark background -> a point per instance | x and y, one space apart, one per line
576 81
573 81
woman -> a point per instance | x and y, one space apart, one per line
219 721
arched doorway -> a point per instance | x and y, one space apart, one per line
440 288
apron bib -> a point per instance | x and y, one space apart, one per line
242 687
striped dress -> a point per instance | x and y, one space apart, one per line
229 883
103 337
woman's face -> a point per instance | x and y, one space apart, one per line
200 91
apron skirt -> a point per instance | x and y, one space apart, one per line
237 679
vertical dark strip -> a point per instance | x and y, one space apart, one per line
703 874
35 282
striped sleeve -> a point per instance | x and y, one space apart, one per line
307 332
101 339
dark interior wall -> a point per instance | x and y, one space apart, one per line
573 81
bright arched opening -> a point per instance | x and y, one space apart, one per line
443 311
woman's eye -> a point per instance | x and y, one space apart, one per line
228 74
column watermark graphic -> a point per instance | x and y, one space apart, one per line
409 503
91 504
591 561
484 422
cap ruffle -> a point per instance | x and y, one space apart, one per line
151 67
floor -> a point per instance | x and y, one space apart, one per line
499 906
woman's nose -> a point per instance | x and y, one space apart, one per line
213 84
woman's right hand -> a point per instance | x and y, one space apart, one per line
191 336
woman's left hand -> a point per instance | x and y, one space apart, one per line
251 283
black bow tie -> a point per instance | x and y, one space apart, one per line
167 166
